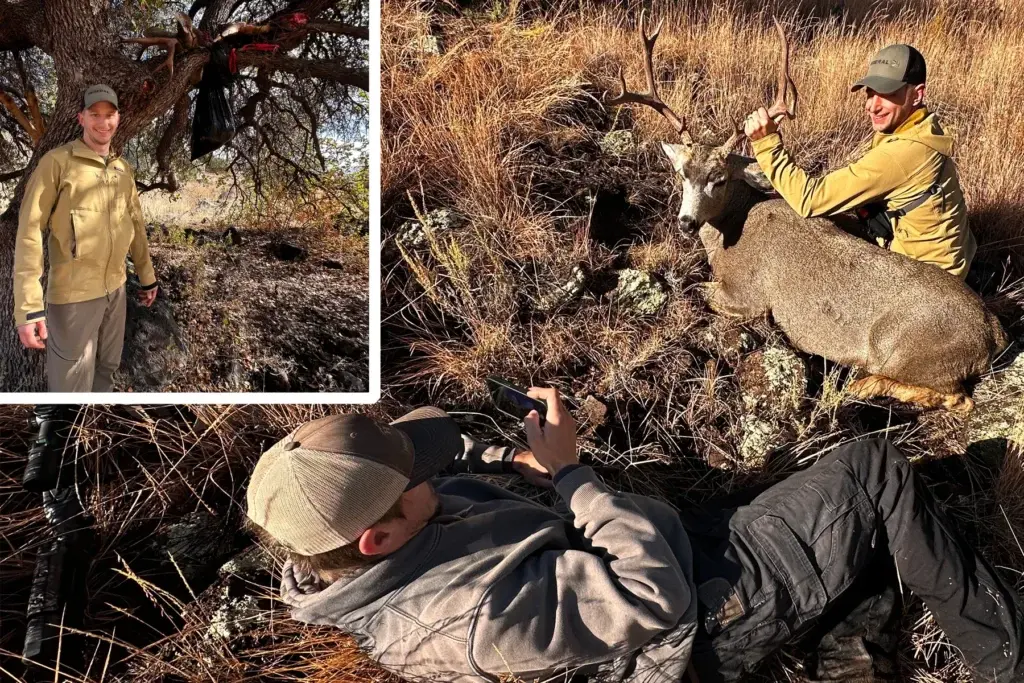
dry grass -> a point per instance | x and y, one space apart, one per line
505 128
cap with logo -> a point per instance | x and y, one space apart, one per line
331 479
891 68
99 93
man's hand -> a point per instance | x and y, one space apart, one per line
148 296
759 124
526 464
33 335
554 444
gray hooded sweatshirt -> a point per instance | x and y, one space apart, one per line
497 584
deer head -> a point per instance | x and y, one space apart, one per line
708 173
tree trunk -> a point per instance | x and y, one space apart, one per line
21 369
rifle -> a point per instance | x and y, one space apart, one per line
57 596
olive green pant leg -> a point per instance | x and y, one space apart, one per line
110 342
84 341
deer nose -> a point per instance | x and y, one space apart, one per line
687 223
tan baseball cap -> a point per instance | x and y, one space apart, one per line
99 93
324 484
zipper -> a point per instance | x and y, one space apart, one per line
110 229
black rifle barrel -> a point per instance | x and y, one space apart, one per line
58 584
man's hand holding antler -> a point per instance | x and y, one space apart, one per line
759 124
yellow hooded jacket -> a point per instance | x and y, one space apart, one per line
896 169
92 211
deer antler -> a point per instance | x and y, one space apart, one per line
781 107
650 98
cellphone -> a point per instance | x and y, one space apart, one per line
513 401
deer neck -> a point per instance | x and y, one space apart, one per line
729 223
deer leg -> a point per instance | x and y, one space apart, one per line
878 385
723 303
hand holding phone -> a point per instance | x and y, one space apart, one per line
553 443
513 401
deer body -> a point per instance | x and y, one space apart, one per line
852 302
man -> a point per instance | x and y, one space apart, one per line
458 580
906 180
85 195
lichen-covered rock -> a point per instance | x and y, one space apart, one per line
412 234
998 416
639 291
428 45
618 143
234 616
759 437
248 564
773 383
566 293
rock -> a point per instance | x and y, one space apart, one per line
234 617
287 251
998 417
197 543
413 234
432 45
333 264
619 143
759 438
566 293
248 564
639 291
594 411
773 383
154 349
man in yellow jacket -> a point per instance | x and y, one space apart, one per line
85 197
907 178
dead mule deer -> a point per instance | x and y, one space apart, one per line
920 332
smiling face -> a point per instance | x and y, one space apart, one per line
99 123
888 112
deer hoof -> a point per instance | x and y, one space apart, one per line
958 403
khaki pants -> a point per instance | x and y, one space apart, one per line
84 341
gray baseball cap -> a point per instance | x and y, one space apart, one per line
891 68
324 484
100 93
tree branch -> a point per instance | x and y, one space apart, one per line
11 175
38 125
339 28
14 110
330 70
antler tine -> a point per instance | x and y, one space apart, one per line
651 97
781 105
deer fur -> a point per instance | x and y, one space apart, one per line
919 331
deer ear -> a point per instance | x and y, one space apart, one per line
679 155
755 177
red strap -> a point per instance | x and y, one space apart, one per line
260 47
232 61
